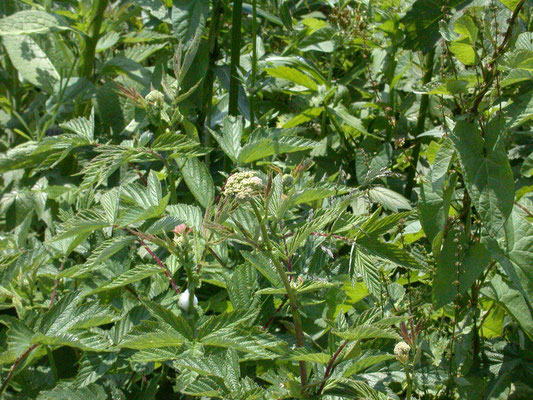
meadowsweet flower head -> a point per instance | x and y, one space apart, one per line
243 185
288 180
155 98
401 351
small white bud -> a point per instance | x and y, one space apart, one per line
183 301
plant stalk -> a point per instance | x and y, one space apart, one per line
87 63
235 58
408 382
491 66
291 294
329 368
14 367
254 64
52 362
420 124
212 43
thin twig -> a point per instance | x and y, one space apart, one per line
158 261
140 238
15 366
329 368
133 292
524 209
291 293
141 176
217 257
275 312
491 66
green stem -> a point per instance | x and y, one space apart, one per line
291 294
254 64
408 381
207 101
420 124
170 176
235 57
91 40
171 182
52 363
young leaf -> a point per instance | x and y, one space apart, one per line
198 180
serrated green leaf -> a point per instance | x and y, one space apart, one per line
31 61
198 180
274 145
306 287
189 214
107 249
149 335
388 198
294 76
230 140
363 332
31 21
135 274
71 391
488 175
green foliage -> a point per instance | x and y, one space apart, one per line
274 200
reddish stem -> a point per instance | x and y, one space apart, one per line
329 368
133 292
158 261
217 257
140 237
14 367
141 176
524 209
274 315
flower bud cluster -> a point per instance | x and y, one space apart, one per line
243 185
155 98
401 351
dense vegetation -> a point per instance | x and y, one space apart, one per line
277 200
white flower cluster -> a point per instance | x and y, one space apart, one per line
243 185
401 351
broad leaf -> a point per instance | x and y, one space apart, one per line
488 175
